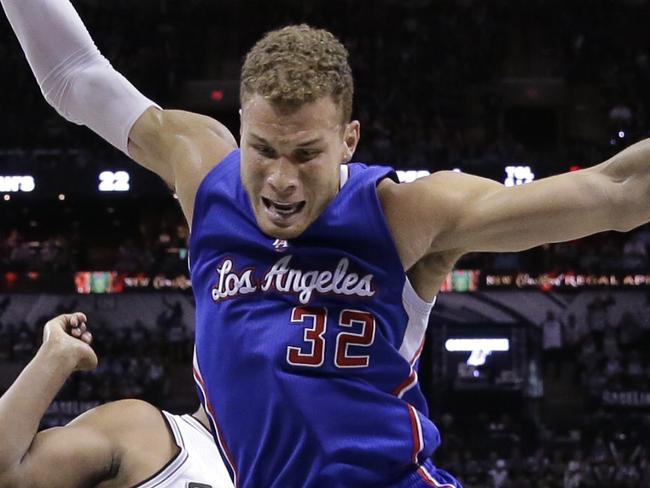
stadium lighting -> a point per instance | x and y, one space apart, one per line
409 175
480 349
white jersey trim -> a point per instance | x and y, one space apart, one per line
411 381
418 312
345 174
429 477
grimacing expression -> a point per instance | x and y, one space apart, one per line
291 160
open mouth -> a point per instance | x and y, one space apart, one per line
283 209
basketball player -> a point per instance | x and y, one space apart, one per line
122 444
314 278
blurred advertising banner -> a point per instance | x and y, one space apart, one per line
458 281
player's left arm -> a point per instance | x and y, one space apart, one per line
454 211
80 454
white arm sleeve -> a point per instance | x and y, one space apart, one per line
73 75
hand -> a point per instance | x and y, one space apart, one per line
69 336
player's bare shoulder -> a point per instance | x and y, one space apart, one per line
126 420
409 209
181 147
121 414
133 427
415 213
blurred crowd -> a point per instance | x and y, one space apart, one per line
601 355
114 238
501 451
103 237
136 360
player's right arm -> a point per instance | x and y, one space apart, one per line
84 88
79 454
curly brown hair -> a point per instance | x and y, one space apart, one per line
298 64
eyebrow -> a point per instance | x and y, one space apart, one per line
302 144
260 139
310 142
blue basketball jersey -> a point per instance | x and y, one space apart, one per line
306 350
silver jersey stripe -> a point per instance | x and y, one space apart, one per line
418 319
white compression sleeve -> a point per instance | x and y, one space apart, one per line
73 75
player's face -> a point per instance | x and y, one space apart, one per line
290 161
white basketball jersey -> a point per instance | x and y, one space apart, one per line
198 464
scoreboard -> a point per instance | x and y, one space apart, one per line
57 175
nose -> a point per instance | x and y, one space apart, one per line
283 178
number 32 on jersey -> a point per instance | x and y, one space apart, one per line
346 354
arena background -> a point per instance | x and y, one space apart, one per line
537 365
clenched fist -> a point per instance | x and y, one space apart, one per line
68 335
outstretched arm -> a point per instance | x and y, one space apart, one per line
84 88
451 211
62 457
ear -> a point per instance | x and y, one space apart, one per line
241 122
351 136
